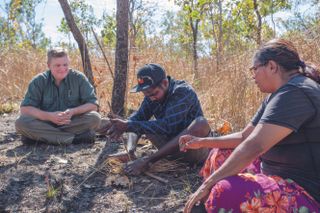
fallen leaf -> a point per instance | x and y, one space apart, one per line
60 160
117 180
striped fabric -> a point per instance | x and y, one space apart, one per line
169 117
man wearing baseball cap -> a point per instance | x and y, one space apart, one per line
170 109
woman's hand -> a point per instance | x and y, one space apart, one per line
199 196
189 142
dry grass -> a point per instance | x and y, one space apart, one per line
115 166
228 95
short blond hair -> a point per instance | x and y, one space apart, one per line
56 53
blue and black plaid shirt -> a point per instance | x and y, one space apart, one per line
174 114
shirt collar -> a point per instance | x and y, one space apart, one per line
53 80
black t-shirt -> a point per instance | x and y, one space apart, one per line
296 105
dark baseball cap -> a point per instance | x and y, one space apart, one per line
149 75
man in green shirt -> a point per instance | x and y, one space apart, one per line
60 106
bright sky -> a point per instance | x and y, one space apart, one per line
51 13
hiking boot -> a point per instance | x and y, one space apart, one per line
85 137
28 141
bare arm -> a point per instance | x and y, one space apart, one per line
88 107
59 118
262 138
36 113
226 141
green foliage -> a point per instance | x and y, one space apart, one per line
302 22
244 19
109 30
141 22
227 25
84 18
18 26
178 37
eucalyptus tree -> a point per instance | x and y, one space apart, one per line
141 14
305 21
177 36
109 29
86 63
84 18
195 13
121 58
18 24
249 17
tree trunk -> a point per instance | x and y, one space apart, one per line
86 64
272 19
194 27
220 36
259 27
121 58
132 27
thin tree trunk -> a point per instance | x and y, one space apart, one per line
220 34
121 58
86 64
272 19
194 28
259 27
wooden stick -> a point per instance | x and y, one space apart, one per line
104 55
125 147
156 177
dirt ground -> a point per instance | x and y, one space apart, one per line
44 178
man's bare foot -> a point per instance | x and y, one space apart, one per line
124 157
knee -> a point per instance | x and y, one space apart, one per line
227 193
94 119
199 127
23 122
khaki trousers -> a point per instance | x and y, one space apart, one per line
50 133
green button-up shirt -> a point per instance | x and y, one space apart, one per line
73 91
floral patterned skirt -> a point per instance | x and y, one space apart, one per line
252 191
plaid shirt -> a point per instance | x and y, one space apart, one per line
174 114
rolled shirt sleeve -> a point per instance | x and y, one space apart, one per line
87 93
33 95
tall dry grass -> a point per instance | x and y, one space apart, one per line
226 95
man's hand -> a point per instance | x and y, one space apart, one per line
189 142
137 167
59 118
69 113
118 127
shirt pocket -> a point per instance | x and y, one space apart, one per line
48 103
73 101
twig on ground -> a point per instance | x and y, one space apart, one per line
146 188
18 161
154 198
156 177
92 173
